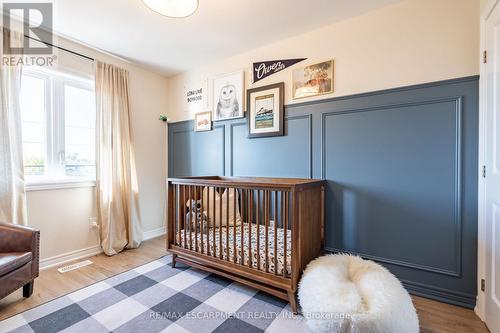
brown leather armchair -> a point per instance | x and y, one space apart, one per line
19 258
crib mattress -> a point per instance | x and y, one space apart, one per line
247 229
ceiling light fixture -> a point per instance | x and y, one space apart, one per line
173 8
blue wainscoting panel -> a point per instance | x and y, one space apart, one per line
270 157
396 168
196 153
401 169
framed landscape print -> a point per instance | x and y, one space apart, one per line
203 121
228 93
313 80
266 110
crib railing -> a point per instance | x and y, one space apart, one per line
261 232
239 223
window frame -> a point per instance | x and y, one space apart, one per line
55 83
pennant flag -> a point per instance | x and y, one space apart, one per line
265 68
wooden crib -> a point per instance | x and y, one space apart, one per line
261 232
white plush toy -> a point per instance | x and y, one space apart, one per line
346 294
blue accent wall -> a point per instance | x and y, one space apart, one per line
401 166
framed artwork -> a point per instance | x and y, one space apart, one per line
266 110
195 97
313 80
203 121
228 93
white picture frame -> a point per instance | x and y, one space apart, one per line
228 92
203 121
196 97
313 80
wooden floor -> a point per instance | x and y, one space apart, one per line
433 316
52 284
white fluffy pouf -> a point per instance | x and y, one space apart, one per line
346 294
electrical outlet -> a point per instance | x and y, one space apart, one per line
93 222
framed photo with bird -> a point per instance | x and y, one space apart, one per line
228 91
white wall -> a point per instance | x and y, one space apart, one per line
411 42
62 215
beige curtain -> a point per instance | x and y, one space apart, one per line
12 192
116 175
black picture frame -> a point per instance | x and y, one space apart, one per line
281 110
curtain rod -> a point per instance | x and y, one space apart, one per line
61 48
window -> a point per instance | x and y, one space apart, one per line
58 121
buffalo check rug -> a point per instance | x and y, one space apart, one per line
158 298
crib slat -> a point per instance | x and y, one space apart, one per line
250 202
208 221
179 217
195 218
243 215
202 220
175 210
184 213
191 245
227 223
214 244
257 222
220 222
179 212
215 222
234 225
276 219
190 221
266 222
285 227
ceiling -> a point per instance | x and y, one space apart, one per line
219 29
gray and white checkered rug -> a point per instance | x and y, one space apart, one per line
157 298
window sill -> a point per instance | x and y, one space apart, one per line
58 185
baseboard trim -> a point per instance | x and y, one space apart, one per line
69 256
445 296
150 234
90 251
428 291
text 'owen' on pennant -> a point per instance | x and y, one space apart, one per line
263 69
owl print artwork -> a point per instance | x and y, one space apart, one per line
228 105
228 96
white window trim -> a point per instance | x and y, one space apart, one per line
54 113
58 185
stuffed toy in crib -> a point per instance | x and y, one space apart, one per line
196 222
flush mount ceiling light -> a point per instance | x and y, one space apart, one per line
172 8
